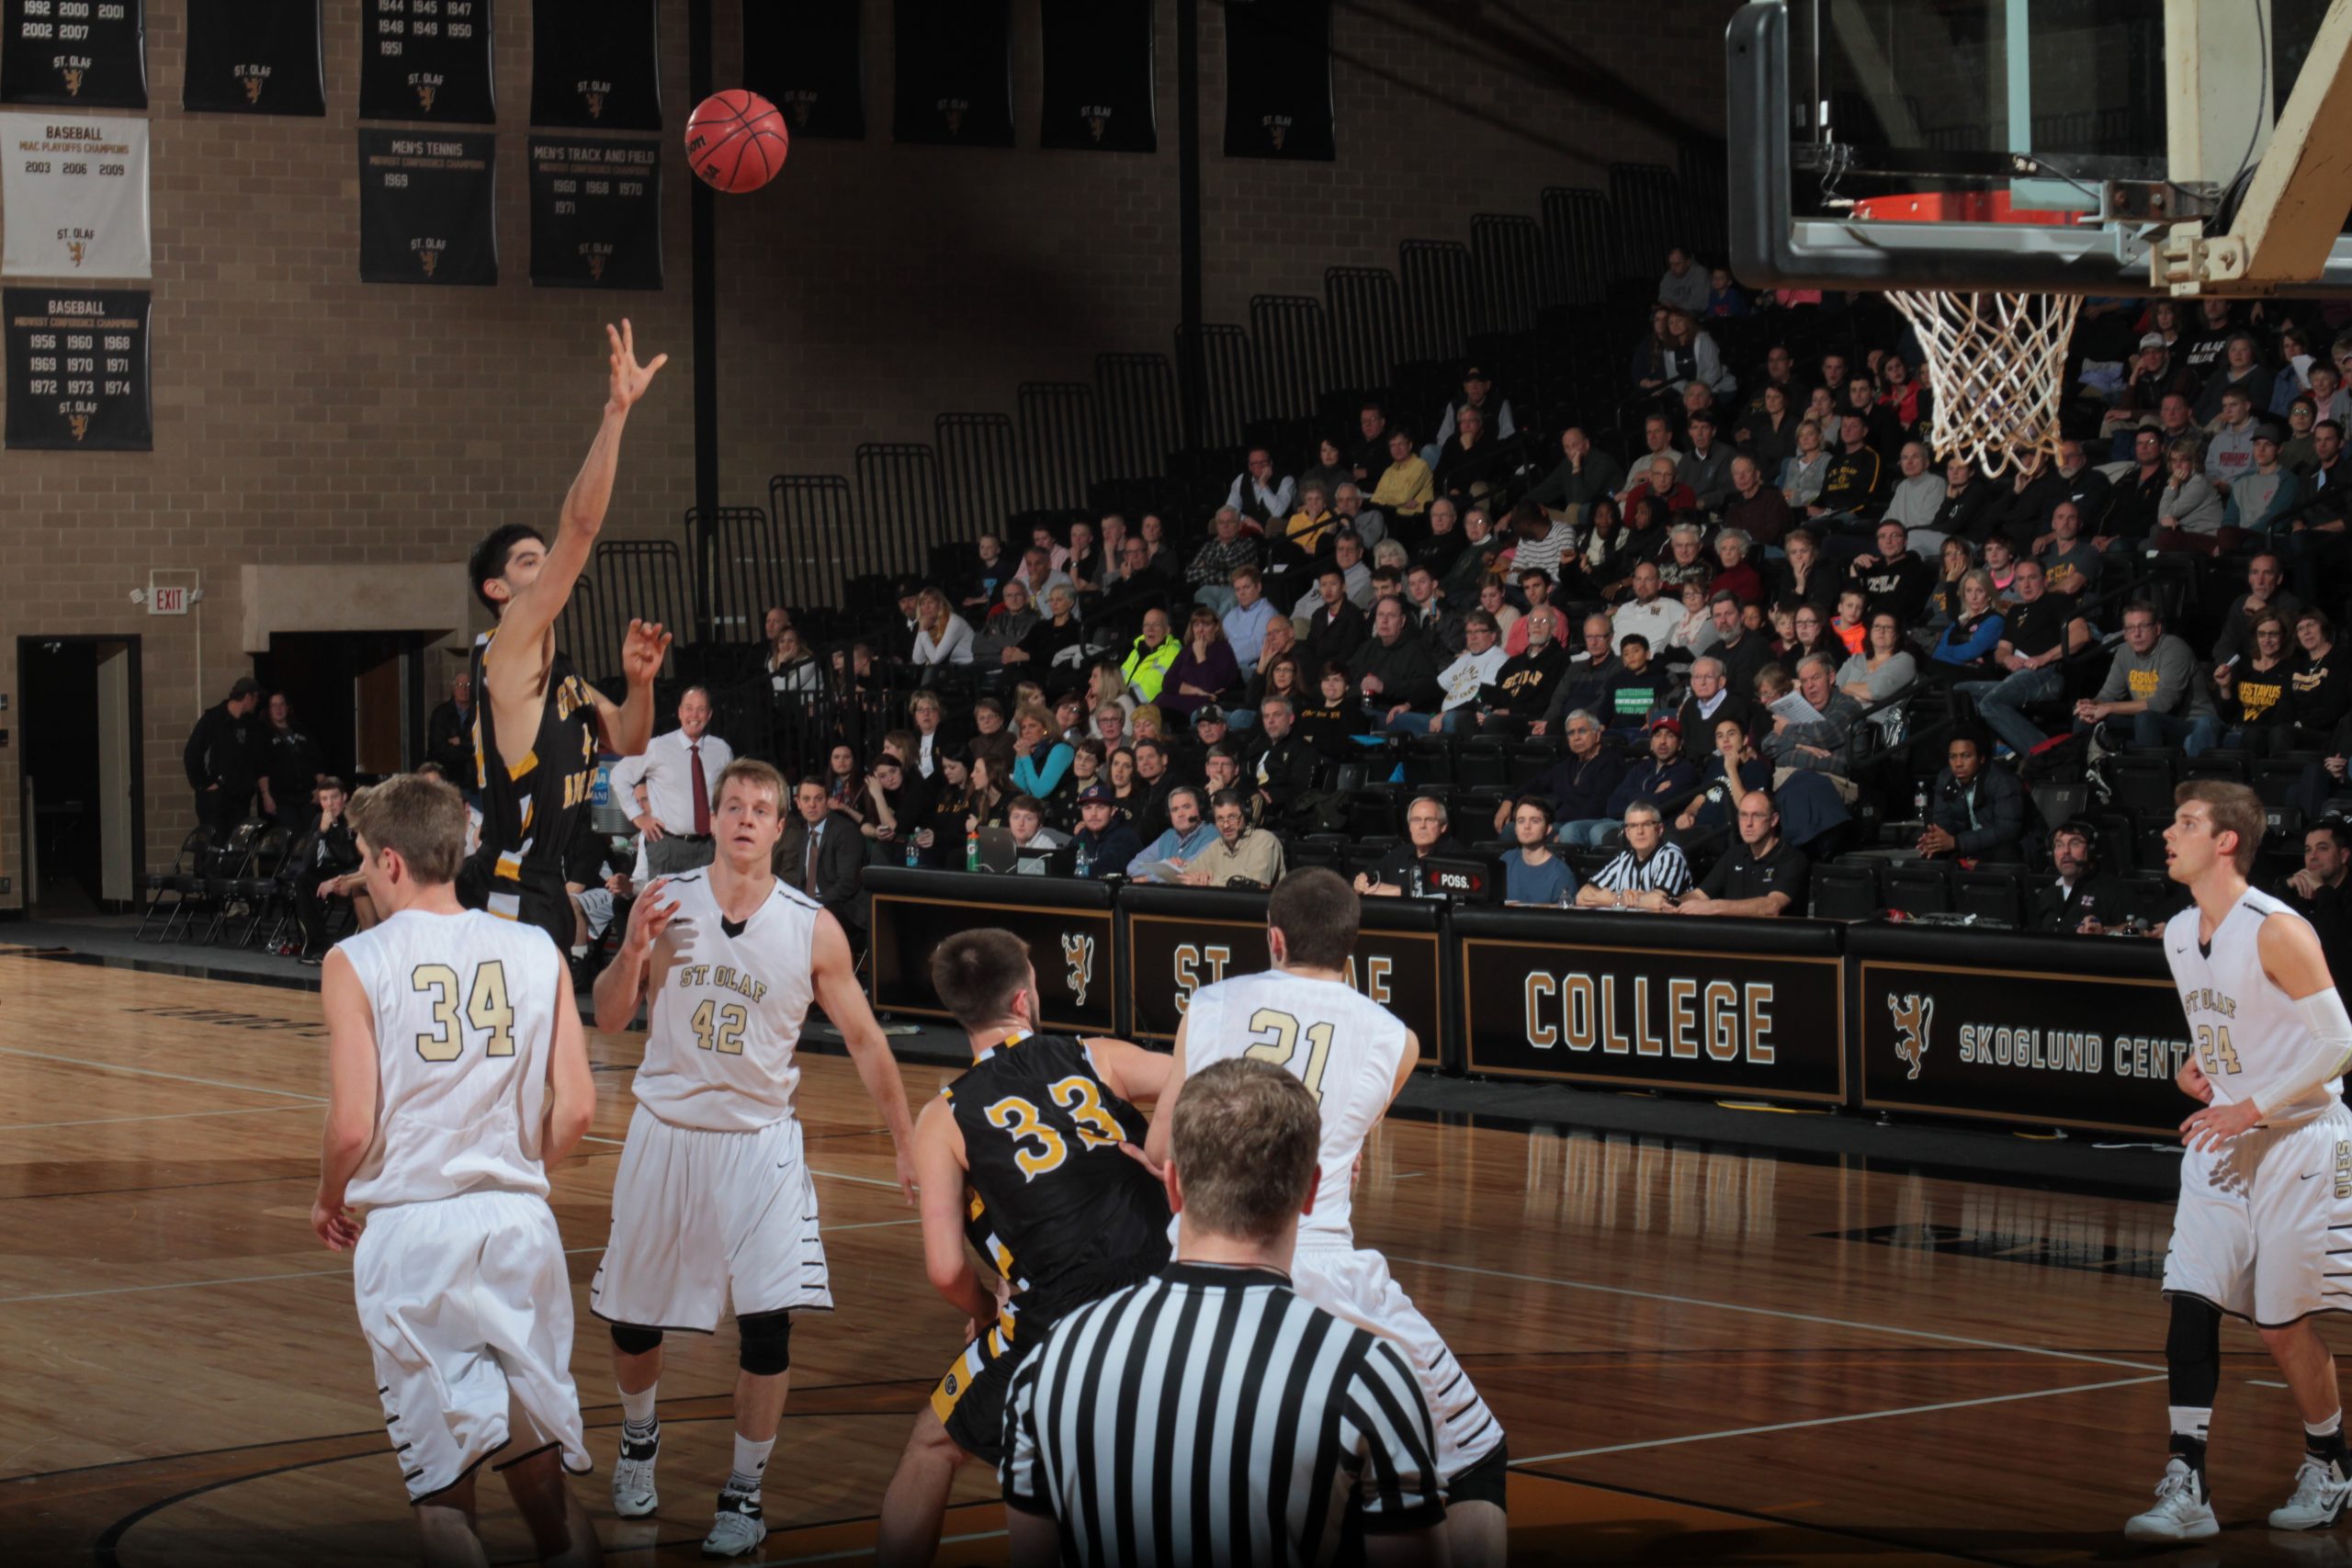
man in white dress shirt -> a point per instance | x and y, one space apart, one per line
668 783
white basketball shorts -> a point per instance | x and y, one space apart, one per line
467 1307
1354 1285
2264 1227
700 1217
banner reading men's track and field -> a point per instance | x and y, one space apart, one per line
1181 938
1720 1006
414 65
1278 79
1099 90
595 213
1979 1024
80 53
596 65
808 58
427 202
955 73
253 57
74 191
78 370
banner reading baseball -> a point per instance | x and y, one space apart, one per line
74 193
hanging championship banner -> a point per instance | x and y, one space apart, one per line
596 65
808 58
595 213
77 370
255 57
88 54
75 194
426 207
427 60
1099 57
1278 79
955 73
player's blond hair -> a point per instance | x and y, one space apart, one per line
1243 1143
759 775
2233 808
422 820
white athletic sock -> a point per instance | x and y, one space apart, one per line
637 1409
580 950
750 1460
2192 1421
2326 1428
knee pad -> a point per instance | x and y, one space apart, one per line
766 1343
2193 1353
631 1340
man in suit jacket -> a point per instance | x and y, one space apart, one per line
829 872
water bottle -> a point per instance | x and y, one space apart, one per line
1085 860
914 855
971 848
1919 801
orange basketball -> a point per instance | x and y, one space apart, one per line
736 141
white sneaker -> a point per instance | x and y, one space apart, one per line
2318 1502
633 1495
2181 1512
737 1527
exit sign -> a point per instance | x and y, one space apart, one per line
167 600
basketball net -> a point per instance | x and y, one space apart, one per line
1995 364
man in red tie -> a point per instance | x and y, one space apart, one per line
669 786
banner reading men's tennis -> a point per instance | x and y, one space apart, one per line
427 207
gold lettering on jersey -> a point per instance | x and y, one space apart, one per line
2205 998
1190 962
726 977
2342 1168
572 696
1637 1015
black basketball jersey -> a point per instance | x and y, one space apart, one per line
1058 1208
531 810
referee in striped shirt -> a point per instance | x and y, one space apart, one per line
1210 1415
1648 872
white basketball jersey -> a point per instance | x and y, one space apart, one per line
2249 1034
465 1010
728 1010
1343 1047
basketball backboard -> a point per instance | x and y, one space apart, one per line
2070 146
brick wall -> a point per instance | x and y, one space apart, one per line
304 418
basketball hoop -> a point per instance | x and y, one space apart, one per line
1996 366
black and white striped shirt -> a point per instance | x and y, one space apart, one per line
1666 872
1212 1416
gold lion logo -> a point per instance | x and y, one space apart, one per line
1911 1013
76 250
425 93
1078 952
79 423
428 260
595 105
1094 125
596 269
955 123
72 83
253 89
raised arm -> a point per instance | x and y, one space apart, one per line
1155 1144
869 1048
625 729
621 985
352 1091
534 610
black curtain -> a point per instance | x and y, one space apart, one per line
1278 79
1099 76
955 73
596 65
808 58
253 57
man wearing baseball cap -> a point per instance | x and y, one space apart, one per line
1105 841
2155 373
2266 492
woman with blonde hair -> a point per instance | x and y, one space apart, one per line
1206 670
941 636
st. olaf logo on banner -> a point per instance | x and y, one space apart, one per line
1078 952
79 423
1911 1013
78 250
73 82
593 94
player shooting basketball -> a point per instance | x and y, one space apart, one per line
537 722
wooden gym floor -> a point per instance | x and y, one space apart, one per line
1702 1357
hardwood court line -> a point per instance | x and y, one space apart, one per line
326 1273
92 1062
1774 1312
1838 1420
6 1128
